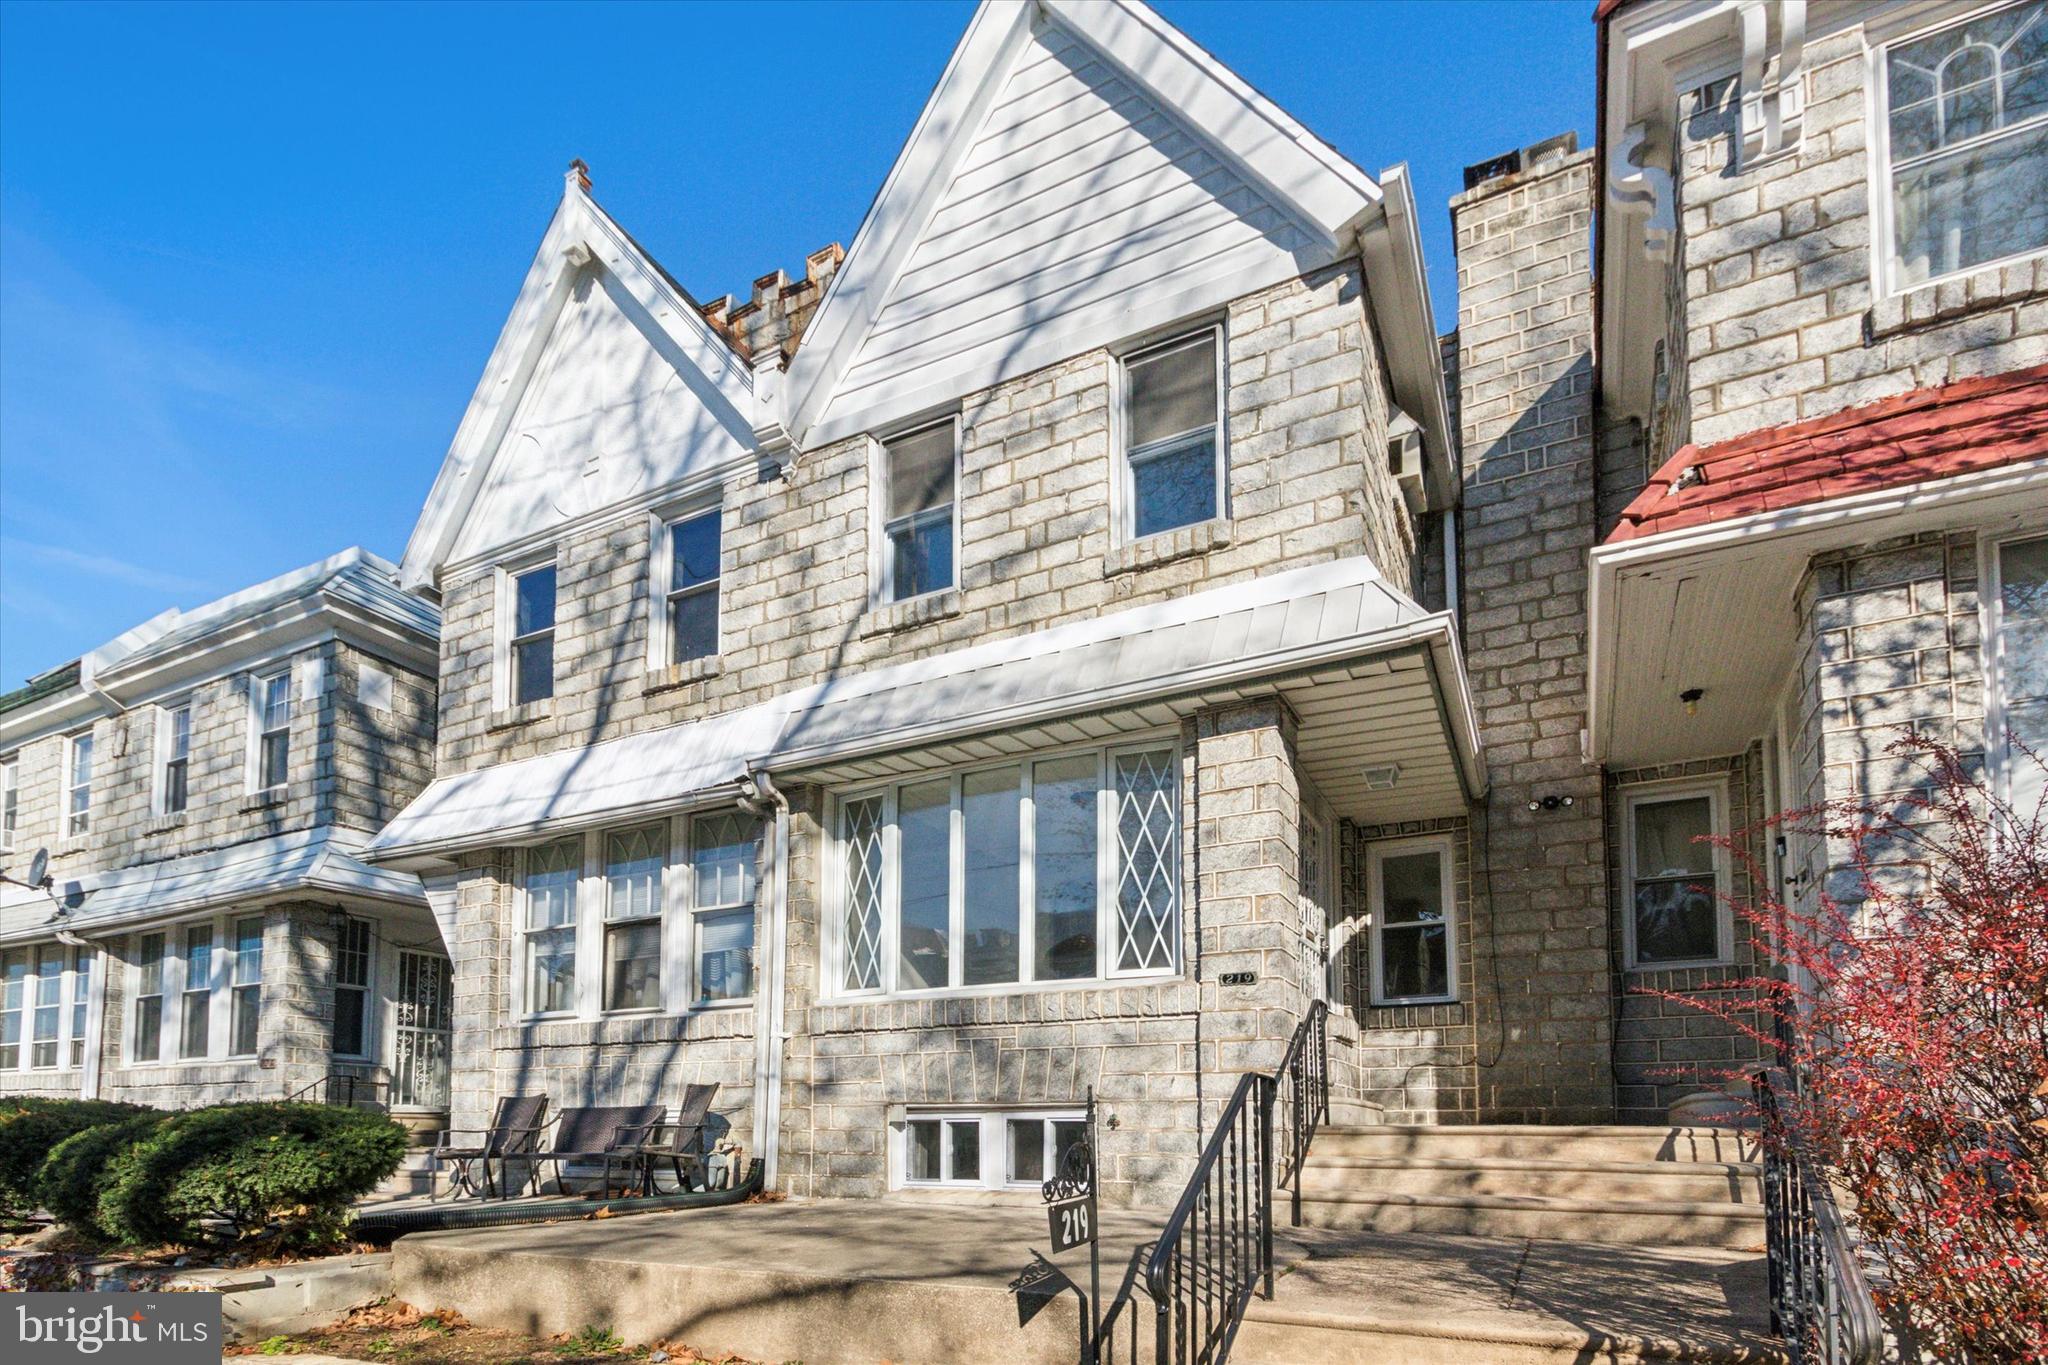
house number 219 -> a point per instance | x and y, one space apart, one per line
1073 1223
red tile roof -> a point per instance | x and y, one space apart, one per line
1961 428
1605 8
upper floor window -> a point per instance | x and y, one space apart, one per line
532 637
1414 932
1173 465
10 801
1674 914
918 475
272 702
175 739
1061 869
690 607
2018 607
1966 120
78 784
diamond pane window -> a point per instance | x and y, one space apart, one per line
1147 895
862 941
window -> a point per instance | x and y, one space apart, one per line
246 987
690 611
918 474
1173 446
632 917
352 989
723 852
13 997
49 1005
1675 914
78 785
272 697
146 1043
938 890
196 1000
994 1150
1408 893
81 993
1966 119
2018 608
533 634
552 871
176 752
10 802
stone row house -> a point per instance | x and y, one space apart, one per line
1095 616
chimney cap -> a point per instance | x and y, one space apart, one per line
1521 159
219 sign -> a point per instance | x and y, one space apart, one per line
1073 1223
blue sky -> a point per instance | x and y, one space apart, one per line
253 258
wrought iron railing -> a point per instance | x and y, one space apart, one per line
1820 1302
347 1090
1216 1249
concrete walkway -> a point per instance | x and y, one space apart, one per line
912 1281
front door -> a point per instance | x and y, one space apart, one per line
419 1036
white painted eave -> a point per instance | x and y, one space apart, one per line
1390 245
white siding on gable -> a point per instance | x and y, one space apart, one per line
610 414
1079 191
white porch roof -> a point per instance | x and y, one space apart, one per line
1335 639
310 862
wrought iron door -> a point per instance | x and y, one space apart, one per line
419 1038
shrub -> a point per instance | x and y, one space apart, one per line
75 1172
30 1125
289 1171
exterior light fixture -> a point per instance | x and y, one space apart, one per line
1691 697
1383 777
1551 802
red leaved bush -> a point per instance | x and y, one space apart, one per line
1917 985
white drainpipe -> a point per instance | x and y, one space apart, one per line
759 797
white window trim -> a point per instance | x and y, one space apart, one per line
1715 789
1108 936
10 786
1375 899
220 1019
226 945
881 564
66 1001
372 1015
678 934
65 815
1123 498
660 563
1879 39
160 757
995 1150
504 687
1991 606
259 687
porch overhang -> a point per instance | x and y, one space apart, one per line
1387 730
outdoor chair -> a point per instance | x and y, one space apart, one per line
593 1134
680 1141
514 1124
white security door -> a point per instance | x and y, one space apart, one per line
419 1037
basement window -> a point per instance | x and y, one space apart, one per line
990 1150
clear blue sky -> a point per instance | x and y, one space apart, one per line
253 258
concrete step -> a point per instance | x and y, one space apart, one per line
1534 1141
415 1175
1351 1113
1613 1222
1276 1335
1688 1182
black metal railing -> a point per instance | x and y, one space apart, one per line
346 1090
1821 1304
1216 1249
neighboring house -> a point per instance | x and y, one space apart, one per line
202 786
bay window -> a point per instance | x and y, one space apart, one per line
49 1005
1965 117
1065 868
2017 605
43 996
1173 450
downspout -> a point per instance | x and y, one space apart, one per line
759 797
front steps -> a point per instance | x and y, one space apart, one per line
1669 1187
414 1177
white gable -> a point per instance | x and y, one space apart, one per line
609 414
1080 193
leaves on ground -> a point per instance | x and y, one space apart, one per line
401 1334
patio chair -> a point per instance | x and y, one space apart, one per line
593 1133
679 1141
514 1124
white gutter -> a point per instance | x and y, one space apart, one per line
759 797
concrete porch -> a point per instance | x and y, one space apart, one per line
915 1281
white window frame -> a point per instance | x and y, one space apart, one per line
1376 854
10 801
160 786
664 835
1123 495
1108 936
660 575
1715 789
696 912
259 691
235 987
220 986
882 564
133 993
993 1124
1990 575
211 989
367 989
1880 38
74 1024
77 823
505 605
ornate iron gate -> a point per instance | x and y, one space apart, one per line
419 1038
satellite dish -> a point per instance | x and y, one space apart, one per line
39 868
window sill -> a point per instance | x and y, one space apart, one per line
1007 988
1183 542
683 674
1704 964
512 717
1959 296
265 800
164 824
1413 1002
890 617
